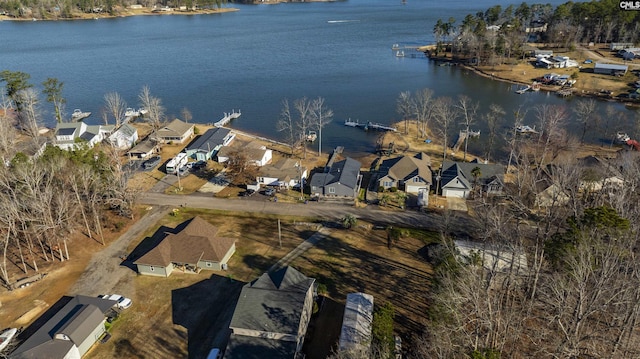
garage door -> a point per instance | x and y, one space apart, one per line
455 193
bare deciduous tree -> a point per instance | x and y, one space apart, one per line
115 106
321 116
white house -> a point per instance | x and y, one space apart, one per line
70 134
255 153
284 173
124 137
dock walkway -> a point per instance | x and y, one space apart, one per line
227 118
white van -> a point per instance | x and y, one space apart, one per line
214 354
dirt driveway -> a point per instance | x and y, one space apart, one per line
105 272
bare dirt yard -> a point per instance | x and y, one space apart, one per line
185 315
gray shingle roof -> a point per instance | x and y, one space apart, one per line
80 308
245 347
273 302
462 170
175 128
344 172
209 140
406 167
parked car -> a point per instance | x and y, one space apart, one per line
247 193
122 302
151 162
183 171
199 164
269 191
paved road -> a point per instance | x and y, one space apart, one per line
325 210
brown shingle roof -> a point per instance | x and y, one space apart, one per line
197 241
175 128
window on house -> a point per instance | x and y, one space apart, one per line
209 264
151 268
332 190
314 188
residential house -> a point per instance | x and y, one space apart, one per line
614 46
610 69
597 174
457 178
256 153
285 173
145 148
69 333
492 257
340 179
410 173
271 317
70 135
207 144
196 246
124 137
32 148
536 26
176 131
355 335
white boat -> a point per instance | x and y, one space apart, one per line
311 136
622 137
6 337
129 112
400 53
78 115
523 90
143 111
395 47
526 129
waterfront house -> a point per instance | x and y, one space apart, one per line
71 135
31 148
409 173
176 131
193 247
209 143
355 335
285 173
272 315
70 332
340 179
124 137
143 149
610 69
255 153
457 178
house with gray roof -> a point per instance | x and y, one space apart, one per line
71 135
210 142
192 249
145 148
176 131
271 317
340 179
457 178
409 173
124 137
69 333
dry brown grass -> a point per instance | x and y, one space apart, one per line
347 261
17 307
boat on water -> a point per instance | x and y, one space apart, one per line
523 90
351 123
395 47
311 136
6 337
78 115
526 129
622 137
400 53
130 112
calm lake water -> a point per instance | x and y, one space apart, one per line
254 58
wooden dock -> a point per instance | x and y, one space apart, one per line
370 126
227 118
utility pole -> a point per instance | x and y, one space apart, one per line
279 235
